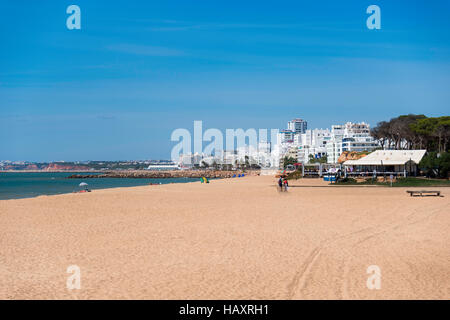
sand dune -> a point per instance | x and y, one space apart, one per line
230 239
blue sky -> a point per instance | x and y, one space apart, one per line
137 70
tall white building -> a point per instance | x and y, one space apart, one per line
299 126
349 137
285 136
334 145
315 137
313 144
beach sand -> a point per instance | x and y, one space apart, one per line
230 239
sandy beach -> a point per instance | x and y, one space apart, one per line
230 239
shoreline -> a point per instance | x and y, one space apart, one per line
120 188
95 189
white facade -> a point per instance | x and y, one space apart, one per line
285 136
288 141
316 137
313 143
190 160
306 152
298 126
349 137
298 139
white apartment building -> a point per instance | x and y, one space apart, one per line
298 139
315 138
288 141
285 136
334 145
305 152
189 160
298 126
349 137
317 143
313 143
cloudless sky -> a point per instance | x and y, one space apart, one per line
137 70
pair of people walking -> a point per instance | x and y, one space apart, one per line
283 184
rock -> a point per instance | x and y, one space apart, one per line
140 174
351 155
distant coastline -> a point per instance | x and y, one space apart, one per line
79 166
51 171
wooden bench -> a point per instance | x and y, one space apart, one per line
423 192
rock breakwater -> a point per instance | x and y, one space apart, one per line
140 174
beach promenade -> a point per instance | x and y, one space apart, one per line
229 239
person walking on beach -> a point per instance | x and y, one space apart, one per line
285 183
280 183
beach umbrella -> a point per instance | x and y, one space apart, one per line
83 184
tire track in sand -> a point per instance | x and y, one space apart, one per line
296 287
299 282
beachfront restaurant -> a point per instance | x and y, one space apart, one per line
318 169
386 162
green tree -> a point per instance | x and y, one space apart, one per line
414 132
204 164
435 132
287 161
317 160
436 164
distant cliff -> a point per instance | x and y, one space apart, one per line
64 167
140 174
52 167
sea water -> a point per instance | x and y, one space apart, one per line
26 184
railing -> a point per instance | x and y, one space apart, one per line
377 173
